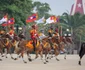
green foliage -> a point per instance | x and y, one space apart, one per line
42 9
19 9
76 22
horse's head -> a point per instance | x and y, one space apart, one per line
16 37
55 39
22 36
69 40
63 39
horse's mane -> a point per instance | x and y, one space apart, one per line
22 36
69 39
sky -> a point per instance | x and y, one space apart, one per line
58 7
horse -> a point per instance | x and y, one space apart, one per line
58 44
26 46
50 44
9 44
81 52
46 48
2 45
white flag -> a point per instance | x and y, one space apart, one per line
3 20
42 20
51 19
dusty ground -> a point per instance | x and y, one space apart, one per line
71 63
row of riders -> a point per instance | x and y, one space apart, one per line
39 43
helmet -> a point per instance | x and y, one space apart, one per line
34 26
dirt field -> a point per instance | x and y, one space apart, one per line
71 63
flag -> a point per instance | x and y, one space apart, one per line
4 19
32 18
10 22
57 19
41 20
51 19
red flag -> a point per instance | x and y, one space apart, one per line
32 18
10 22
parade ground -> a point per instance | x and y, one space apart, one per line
71 63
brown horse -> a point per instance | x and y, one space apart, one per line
50 44
58 44
1 47
9 45
26 46
46 48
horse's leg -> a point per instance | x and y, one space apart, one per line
63 50
36 52
45 57
22 55
49 56
64 53
29 57
0 59
12 49
41 54
1 53
18 54
56 54
6 52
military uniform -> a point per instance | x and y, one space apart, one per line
34 35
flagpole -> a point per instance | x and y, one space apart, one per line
60 30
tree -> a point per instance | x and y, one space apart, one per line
75 22
42 9
19 9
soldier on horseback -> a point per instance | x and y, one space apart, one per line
50 32
2 32
42 35
11 32
50 35
34 35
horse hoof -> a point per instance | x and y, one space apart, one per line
0 59
12 58
2 55
47 61
65 58
57 59
44 62
6 56
36 57
19 56
30 59
15 59
51 56
25 62
47 57
79 63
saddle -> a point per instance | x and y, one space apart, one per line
30 44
